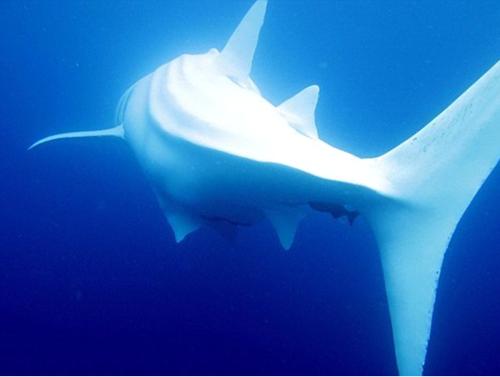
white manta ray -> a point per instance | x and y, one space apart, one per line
220 154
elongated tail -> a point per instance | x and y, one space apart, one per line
115 131
435 175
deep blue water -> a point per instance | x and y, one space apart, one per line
91 280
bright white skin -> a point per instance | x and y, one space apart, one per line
217 151
198 135
219 154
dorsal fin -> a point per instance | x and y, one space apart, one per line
299 111
237 55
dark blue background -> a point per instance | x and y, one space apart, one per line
91 280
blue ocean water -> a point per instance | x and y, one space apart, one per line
91 280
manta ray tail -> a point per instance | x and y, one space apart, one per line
435 175
115 131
